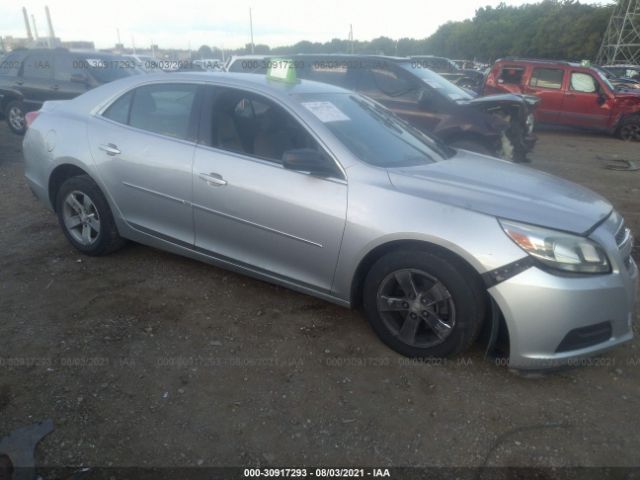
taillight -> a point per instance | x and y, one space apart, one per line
30 117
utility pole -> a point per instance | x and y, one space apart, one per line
251 29
621 42
351 37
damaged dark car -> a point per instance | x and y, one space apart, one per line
497 125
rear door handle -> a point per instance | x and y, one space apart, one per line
110 149
213 179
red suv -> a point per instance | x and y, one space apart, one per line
570 94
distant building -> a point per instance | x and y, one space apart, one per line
12 43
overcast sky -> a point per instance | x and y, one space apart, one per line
191 23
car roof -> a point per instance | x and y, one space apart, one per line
248 80
322 55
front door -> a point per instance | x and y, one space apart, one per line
585 104
252 211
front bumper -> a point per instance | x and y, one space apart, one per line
555 321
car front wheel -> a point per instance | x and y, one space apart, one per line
630 129
422 304
85 217
14 113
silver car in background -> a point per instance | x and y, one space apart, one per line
324 191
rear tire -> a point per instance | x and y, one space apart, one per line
629 129
423 304
472 146
15 112
85 217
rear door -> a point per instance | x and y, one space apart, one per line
248 208
585 103
143 145
547 84
36 79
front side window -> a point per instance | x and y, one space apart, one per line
38 66
438 83
252 125
583 82
547 78
373 133
166 109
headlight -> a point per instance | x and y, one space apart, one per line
530 123
558 250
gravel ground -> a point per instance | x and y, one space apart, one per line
144 358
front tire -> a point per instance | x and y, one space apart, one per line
422 304
15 114
85 217
629 129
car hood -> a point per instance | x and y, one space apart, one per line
503 189
504 98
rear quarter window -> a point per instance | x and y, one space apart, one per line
511 75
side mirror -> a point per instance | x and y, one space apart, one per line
601 99
306 160
79 78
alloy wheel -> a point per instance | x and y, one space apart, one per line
81 218
630 132
416 307
16 118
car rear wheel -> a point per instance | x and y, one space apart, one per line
14 113
472 146
85 217
629 130
422 305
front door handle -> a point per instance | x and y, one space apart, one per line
213 179
110 149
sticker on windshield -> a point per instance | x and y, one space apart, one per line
326 111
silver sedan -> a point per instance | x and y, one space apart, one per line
326 192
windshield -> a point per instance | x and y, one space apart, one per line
437 82
107 69
373 133
605 80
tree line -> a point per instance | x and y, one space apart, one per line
555 29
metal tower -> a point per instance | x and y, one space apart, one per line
621 42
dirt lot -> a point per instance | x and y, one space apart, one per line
149 359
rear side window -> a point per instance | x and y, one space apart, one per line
10 63
511 75
39 66
547 78
167 109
